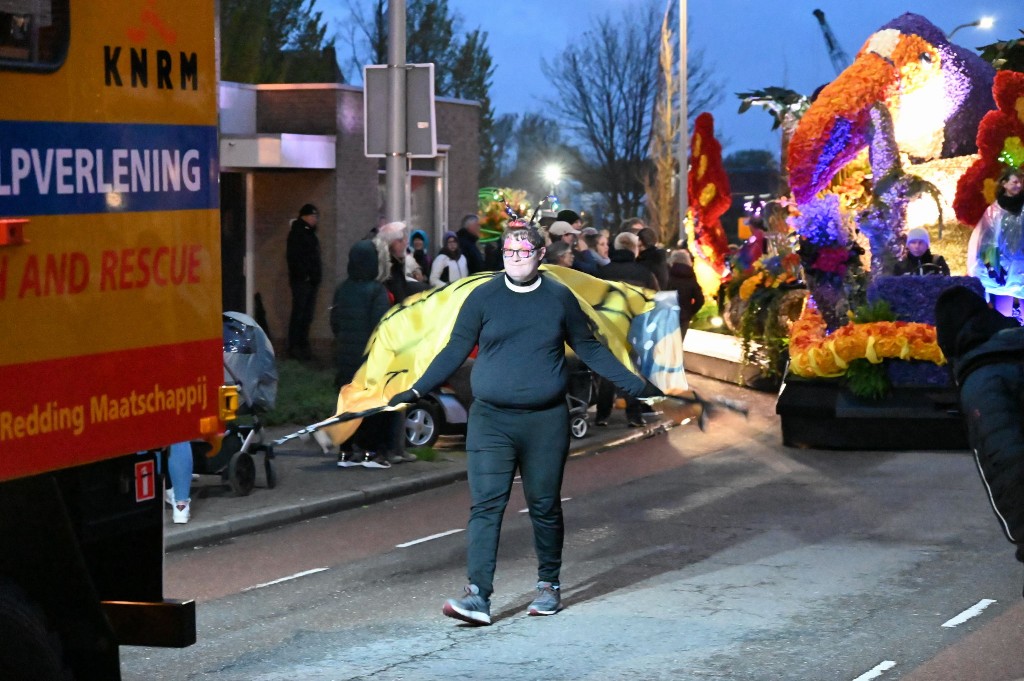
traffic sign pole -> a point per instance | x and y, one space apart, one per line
395 163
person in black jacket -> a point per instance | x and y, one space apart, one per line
469 235
623 267
919 259
986 351
652 256
683 281
305 271
521 319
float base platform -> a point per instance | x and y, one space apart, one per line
720 356
824 415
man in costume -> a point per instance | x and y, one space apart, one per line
521 320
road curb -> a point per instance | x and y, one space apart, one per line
268 518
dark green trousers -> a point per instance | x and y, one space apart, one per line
500 441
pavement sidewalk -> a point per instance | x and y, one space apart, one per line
310 484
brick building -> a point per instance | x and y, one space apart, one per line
285 145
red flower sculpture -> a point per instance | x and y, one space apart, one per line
1000 145
708 188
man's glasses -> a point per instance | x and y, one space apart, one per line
522 254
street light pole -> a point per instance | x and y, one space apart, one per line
553 174
983 22
395 162
684 128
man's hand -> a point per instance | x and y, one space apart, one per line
404 397
651 391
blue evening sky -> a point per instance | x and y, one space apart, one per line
752 44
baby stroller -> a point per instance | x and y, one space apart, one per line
580 396
248 364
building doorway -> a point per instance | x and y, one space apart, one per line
232 241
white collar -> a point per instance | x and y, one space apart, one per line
516 288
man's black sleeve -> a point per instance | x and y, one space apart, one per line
595 355
465 335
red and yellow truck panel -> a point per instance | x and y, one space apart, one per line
110 291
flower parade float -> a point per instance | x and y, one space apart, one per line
709 199
720 356
864 369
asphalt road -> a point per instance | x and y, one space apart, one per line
688 556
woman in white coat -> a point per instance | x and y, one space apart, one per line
450 264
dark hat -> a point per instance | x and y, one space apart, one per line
957 309
308 209
567 215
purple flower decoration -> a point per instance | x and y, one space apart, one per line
820 222
912 298
914 373
839 146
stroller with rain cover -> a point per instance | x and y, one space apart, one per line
248 364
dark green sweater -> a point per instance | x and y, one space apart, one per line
522 336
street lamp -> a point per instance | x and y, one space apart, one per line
552 174
982 23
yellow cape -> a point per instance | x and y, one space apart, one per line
412 333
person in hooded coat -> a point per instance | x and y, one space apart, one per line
359 304
419 243
986 351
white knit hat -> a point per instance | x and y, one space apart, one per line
919 234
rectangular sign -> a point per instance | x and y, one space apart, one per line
420 114
145 480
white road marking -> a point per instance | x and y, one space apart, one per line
876 671
423 539
285 579
526 510
969 613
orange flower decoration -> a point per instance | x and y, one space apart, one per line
812 354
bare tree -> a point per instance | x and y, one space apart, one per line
661 180
367 33
607 83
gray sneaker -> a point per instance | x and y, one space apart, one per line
401 457
472 608
548 600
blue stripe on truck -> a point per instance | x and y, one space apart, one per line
69 168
